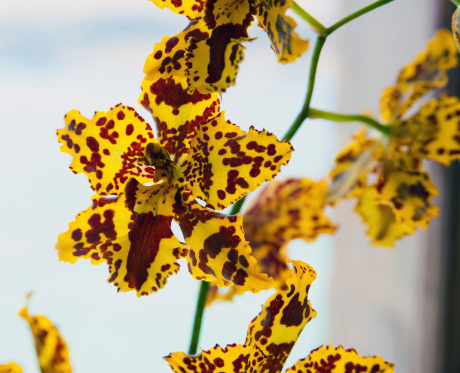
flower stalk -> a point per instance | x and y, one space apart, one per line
335 117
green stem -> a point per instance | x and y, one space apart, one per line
237 206
456 2
317 26
311 84
315 113
198 317
356 14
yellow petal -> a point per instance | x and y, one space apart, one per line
213 62
271 335
285 42
287 210
190 8
228 163
409 195
51 349
143 259
106 148
106 219
218 250
337 360
177 113
428 71
349 175
233 358
276 329
207 52
169 56
456 27
10 368
383 229
435 130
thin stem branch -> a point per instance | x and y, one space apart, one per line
311 84
456 2
317 26
315 114
357 14
204 286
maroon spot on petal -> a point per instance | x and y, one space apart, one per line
220 38
92 143
165 267
129 129
145 237
120 115
271 150
101 121
77 235
158 55
171 43
221 194
219 362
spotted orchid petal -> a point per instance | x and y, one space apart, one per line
428 71
177 113
409 195
349 175
228 163
190 8
143 259
51 349
218 250
10 368
338 360
271 334
107 147
106 219
382 226
285 42
434 132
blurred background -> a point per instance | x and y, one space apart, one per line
56 56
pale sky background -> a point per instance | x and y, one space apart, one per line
56 56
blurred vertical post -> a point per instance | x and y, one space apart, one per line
449 356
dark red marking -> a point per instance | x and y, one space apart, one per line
145 238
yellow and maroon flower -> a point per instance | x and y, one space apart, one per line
271 337
394 194
51 348
208 52
10 368
284 211
143 185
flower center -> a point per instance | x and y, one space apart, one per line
158 157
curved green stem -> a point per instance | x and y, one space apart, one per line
315 114
311 83
204 286
456 2
317 26
356 14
